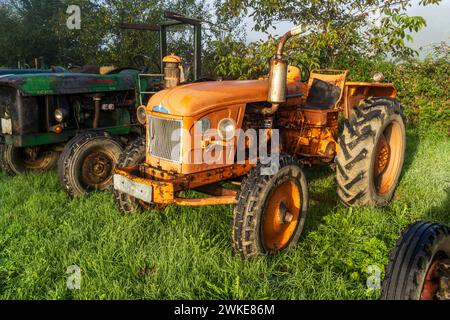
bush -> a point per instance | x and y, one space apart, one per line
422 85
424 91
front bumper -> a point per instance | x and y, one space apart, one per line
152 185
134 182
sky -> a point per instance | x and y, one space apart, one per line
437 30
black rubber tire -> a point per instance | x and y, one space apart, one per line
3 164
76 151
253 198
133 154
12 163
411 258
356 159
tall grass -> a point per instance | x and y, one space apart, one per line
185 253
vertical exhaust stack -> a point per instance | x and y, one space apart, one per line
97 107
278 73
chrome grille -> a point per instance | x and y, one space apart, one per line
164 137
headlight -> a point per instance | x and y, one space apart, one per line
141 115
60 115
227 129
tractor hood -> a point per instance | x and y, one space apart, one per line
69 83
197 98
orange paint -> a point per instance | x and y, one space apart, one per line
307 133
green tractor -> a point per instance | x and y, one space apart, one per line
80 119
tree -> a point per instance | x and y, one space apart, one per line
27 30
340 28
35 28
7 22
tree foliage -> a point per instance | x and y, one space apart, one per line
7 22
348 34
339 28
27 26
37 28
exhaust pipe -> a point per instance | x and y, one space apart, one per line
97 108
278 73
173 71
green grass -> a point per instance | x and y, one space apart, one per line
185 253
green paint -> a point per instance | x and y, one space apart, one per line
71 83
122 117
145 83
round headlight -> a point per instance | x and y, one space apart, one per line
227 129
141 115
59 115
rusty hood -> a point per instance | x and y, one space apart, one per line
69 83
197 98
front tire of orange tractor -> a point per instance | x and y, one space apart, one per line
372 150
271 210
133 155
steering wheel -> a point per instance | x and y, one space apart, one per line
141 60
307 71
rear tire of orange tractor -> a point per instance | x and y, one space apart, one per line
133 155
271 210
372 150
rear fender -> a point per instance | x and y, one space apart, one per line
356 91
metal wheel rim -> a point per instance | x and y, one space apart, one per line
42 159
388 158
432 283
281 217
97 169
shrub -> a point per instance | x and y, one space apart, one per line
423 85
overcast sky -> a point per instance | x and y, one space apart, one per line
437 30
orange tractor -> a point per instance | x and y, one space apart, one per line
358 128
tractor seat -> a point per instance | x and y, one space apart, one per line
322 95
